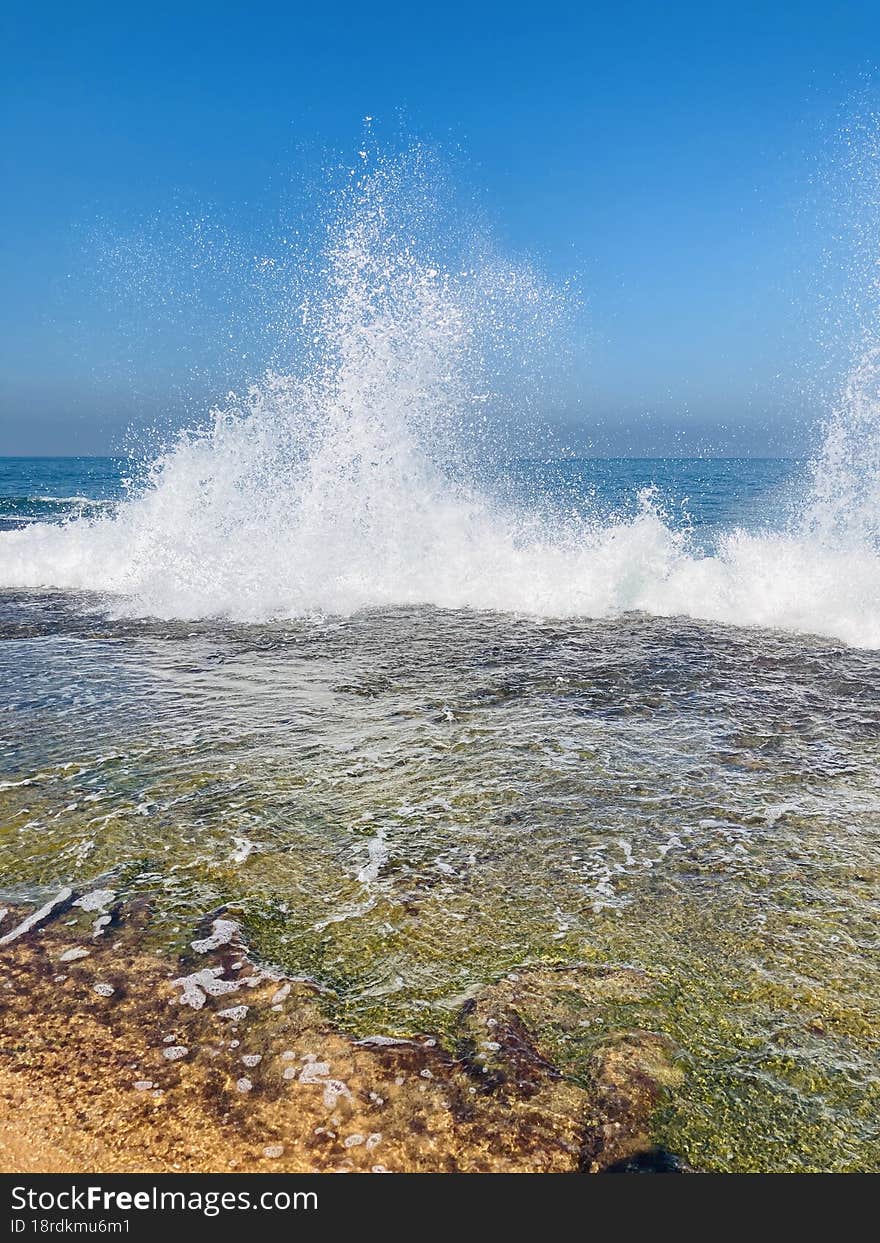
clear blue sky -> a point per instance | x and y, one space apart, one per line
666 154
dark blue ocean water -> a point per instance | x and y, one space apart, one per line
51 489
707 494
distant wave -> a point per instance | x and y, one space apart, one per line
27 504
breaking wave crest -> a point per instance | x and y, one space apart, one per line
345 484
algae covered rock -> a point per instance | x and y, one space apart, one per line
137 1080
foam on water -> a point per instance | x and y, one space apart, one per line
340 486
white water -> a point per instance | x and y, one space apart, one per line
336 489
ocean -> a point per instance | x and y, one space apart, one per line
418 715
410 799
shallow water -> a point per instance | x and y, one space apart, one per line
409 802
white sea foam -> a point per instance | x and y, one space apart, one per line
335 488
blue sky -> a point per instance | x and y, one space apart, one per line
674 158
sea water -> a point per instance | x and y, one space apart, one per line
418 712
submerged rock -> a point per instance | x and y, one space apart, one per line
629 1074
495 1100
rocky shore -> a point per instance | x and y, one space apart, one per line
114 1057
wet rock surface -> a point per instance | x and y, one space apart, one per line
121 1059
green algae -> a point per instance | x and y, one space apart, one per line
405 860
